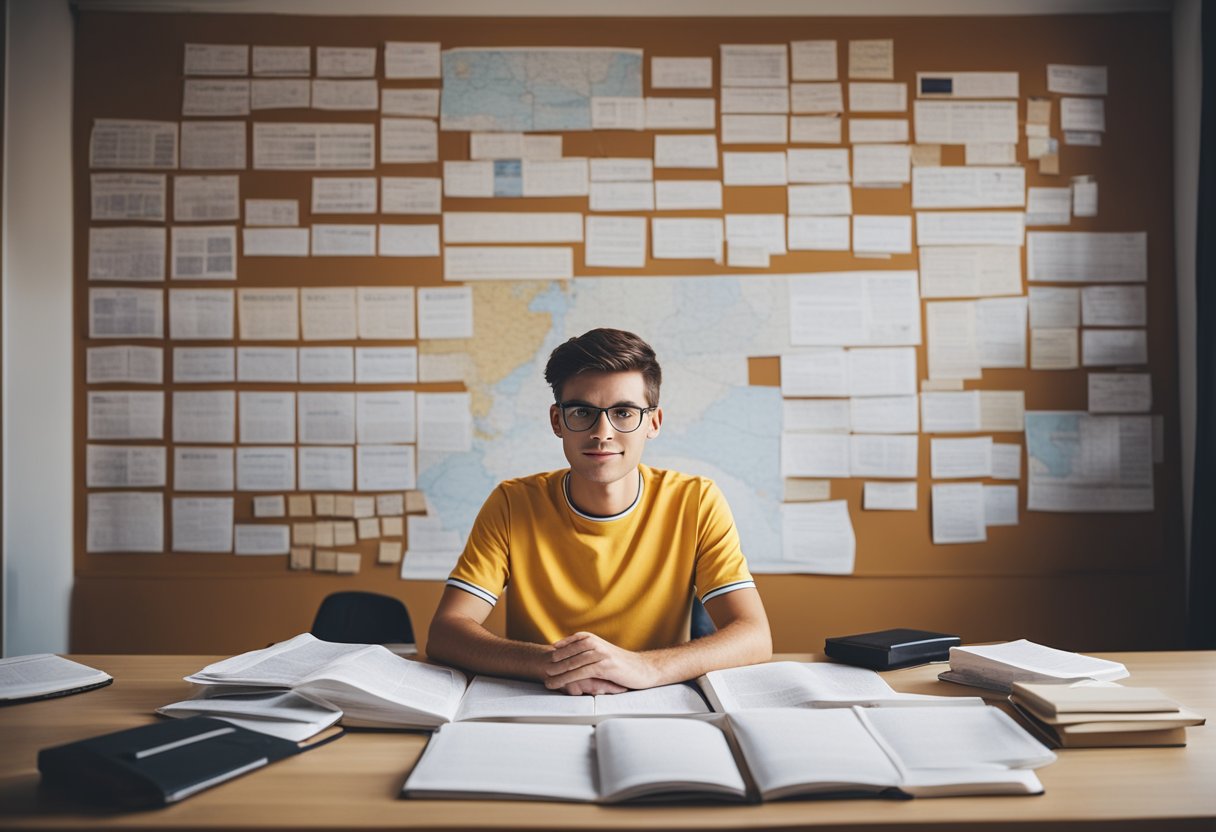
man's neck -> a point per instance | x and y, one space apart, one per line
604 499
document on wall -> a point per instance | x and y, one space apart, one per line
213 145
201 314
445 422
202 468
956 459
813 60
872 58
855 309
878 97
1054 349
1076 80
126 313
818 166
409 240
409 102
826 97
815 129
954 350
616 242
125 521
134 365
680 114
692 151
343 195
272 212
203 252
882 371
1001 505
124 466
268 314
442 366
125 414
963 228
967 84
282 60
762 231
385 312
386 417
1087 256
618 113
755 65
131 253
1113 347
829 200
816 538
1049 206
327 365
275 242
206 198
884 414
622 196
409 59
817 372
512 227
762 168
1054 308
203 365
755 129
384 467
883 457
343 240
879 131
433 550
326 418
1082 114
1080 462
958 513
215 97
555 177
328 313
308 146
966 122
262 539
681 73
326 469
127 196
1120 393
273 364
888 234
1006 461
687 239
280 94
267 418
950 412
386 365
1003 410
409 140
117 143
889 496
970 271
881 164
216 59
969 187
1114 306
346 62
411 195
819 233
1001 332
204 416
445 312
814 455
508 263
265 469
345 95
814 415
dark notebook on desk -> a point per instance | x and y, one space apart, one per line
890 649
162 763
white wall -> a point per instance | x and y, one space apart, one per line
37 381
37 300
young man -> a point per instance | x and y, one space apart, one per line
603 558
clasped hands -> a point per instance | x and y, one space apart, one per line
584 663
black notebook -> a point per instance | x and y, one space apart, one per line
889 649
162 763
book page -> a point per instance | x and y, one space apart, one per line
1037 658
666 699
284 664
378 674
944 738
799 751
768 685
502 758
492 698
653 756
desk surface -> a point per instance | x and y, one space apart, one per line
353 783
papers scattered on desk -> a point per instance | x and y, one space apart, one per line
282 714
998 666
45 675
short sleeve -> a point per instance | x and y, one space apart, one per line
720 567
483 568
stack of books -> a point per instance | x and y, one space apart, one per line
1091 714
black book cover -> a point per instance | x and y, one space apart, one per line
889 649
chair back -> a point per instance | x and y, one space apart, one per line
701 624
363 618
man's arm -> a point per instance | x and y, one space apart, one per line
742 638
458 637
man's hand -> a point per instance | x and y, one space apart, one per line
591 687
586 658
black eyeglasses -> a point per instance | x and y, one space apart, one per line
625 418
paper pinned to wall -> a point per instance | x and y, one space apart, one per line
681 73
813 60
817 538
889 496
125 521
204 365
958 513
1087 256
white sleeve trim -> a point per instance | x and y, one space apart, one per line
473 589
731 587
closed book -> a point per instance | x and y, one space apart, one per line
889 649
1092 697
44 676
162 763
1111 735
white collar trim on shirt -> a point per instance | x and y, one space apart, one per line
586 516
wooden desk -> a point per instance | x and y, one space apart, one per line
354 782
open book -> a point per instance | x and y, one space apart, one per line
777 753
45 675
809 684
283 714
998 666
374 688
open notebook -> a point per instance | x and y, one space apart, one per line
775 754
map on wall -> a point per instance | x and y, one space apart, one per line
524 90
715 424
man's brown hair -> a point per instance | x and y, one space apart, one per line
604 351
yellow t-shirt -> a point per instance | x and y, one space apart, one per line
628 578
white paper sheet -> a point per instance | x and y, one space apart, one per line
409 102
344 195
267 418
755 129
213 145
954 459
409 240
687 239
386 417
818 538
814 455
970 271
818 166
878 97
265 469
215 97
204 416
512 227
1114 306
206 198
216 59
958 513
962 228
1049 206
411 195
622 196
881 164
409 140
411 59
126 313
124 466
883 457
1006 461
889 496
127 196
763 231
327 365
202 469
313 146
882 234
384 467
343 240
1120 393
274 364
445 312
1054 349
954 350
1003 410
125 521
445 422
692 151
201 314
1113 347
950 412
131 253
326 469
280 94
815 129
967 84
680 114
618 113
681 73
261 539
1087 256
969 187
125 363
1001 332
202 524
203 252
872 58
855 309
1082 114
815 415
813 60
125 414
819 233
759 168
1054 308
884 414
754 65
831 200
385 312
275 242
268 314
386 365
965 122
508 263
878 130
282 60
119 143
346 61
820 372
616 242
326 418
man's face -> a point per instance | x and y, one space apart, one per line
603 454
